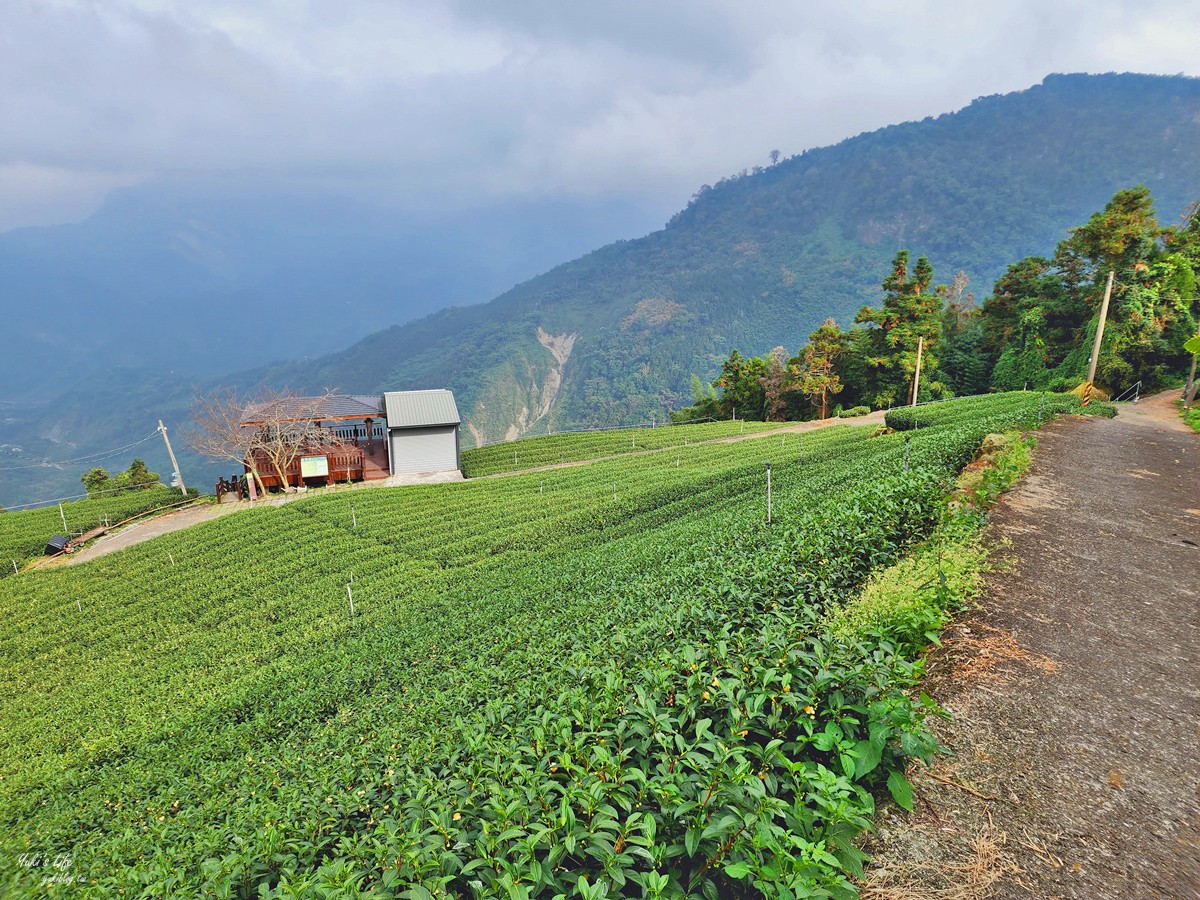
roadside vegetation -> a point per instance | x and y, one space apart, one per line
1034 331
611 679
910 601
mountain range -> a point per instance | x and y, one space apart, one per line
761 258
615 336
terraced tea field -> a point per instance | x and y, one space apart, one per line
23 534
549 450
606 678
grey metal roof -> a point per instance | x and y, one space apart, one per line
415 409
305 409
375 401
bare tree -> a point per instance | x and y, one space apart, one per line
279 425
286 425
959 302
217 431
775 386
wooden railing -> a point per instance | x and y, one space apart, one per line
356 434
345 464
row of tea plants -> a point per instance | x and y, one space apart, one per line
607 680
548 450
24 533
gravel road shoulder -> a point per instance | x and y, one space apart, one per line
1074 750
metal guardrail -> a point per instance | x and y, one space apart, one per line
1136 390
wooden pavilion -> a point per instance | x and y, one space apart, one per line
340 438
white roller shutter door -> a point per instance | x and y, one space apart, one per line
424 449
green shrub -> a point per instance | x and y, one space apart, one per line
1022 407
606 678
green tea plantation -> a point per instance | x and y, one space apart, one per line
593 681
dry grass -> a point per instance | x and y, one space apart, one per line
974 653
1041 849
969 878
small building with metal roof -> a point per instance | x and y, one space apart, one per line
422 431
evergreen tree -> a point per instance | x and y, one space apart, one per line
137 475
1042 315
813 372
742 392
96 480
909 313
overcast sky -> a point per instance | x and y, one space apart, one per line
449 102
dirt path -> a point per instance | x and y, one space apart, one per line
1075 688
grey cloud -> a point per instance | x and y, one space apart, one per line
452 101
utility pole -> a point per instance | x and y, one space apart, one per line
917 376
162 429
1091 375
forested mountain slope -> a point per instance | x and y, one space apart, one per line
754 261
763 257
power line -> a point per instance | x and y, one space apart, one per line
91 457
35 503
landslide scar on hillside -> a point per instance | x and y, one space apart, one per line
560 347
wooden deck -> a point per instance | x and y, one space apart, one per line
356 452
346 463
375 462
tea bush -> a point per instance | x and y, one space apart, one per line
24 533
606 680
548 450
1017 409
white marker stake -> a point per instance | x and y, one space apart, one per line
350 594
16 571
768 493
171 556
64 516
80 605
353 518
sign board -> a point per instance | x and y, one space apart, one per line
314 467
